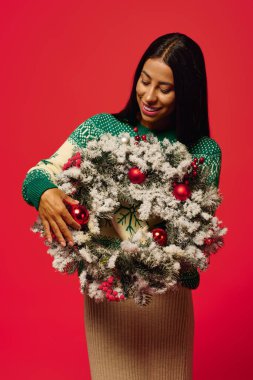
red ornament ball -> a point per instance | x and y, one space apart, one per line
181 191
136 176
79 213
208 241
160 236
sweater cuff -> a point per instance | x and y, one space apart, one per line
190 279
37 188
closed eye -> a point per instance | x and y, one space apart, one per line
163 91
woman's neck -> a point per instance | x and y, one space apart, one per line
160 126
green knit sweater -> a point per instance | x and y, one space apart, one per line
41 177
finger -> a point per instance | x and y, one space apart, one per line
57 231
47 232
66 216
68 199
65 231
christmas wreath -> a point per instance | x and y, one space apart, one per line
158 200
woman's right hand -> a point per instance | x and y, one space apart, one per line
54 215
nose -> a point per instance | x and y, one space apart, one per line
150 96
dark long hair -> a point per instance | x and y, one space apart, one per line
185 58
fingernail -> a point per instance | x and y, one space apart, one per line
63 243
71 243
49 240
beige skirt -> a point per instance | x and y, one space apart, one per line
129 342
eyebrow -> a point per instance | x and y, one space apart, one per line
143 71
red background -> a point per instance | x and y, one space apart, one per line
62 62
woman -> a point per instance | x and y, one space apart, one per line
168 99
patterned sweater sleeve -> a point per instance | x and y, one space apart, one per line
211 151
42 176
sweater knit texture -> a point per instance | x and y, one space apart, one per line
125 341
42 176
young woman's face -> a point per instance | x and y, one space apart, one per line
155 89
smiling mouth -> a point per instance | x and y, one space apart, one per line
150 109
